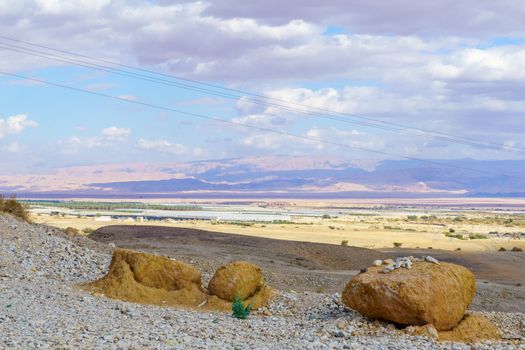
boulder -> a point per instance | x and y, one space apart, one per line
238 279
427 293
150 279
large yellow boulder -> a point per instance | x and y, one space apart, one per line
425 293
150 279
236 280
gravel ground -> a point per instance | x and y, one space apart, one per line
40 308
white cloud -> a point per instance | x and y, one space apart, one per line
109 137
128 97
162 146
398 59
114 133
16 124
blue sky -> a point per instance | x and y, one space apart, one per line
447 69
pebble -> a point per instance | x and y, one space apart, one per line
402 262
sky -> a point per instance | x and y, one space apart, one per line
450 67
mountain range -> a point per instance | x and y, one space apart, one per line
279 176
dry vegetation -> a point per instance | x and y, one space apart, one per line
12 206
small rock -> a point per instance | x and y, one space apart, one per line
267 313
338 334
432 260
342 324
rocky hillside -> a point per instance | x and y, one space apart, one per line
41 307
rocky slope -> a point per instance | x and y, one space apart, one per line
41 307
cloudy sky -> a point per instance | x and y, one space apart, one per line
364 78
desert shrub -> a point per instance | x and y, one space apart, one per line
429 247
331 227
344 242
238 309
87 230
516 249
326 216
71 231
458 249
454 235
451 230
501 249
477 236
412 217
13 207
397 244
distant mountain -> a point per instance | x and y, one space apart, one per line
282 176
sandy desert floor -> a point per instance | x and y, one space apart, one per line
376 232
317 267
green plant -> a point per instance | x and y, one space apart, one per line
398 244
454 235
477 236
238 309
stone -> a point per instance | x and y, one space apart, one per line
425 294
267 313
427 330
472 329
378 262
342 324
432 260
236 280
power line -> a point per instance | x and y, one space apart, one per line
384 125
250 126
